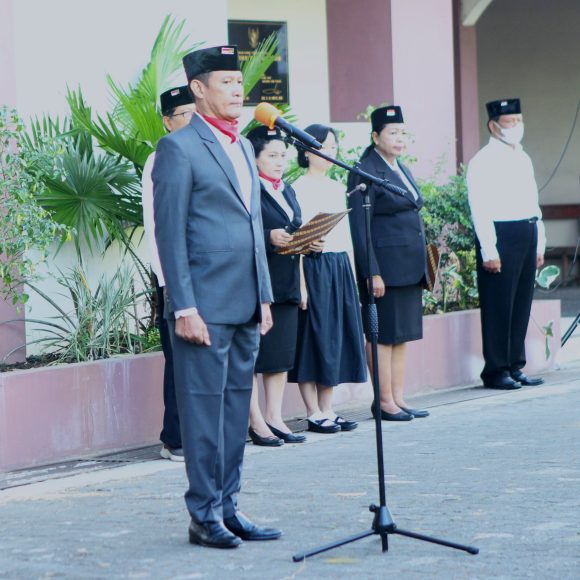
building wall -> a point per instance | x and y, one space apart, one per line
307 59
67 42
78 43
530 49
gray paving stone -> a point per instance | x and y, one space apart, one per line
501 472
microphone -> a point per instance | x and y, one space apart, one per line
270 116
359 187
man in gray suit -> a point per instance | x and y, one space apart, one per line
208 228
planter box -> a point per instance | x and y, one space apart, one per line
56 413
67 411
450 355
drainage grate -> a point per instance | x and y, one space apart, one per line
77 466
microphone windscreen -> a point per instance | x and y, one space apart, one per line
266 114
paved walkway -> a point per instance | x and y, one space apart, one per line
500 472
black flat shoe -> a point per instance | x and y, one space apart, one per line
523 379
417 413
287 437
400 416
317 426
502 384
212 535
344 424
245 529
264 441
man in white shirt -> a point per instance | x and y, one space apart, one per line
511 241
177 108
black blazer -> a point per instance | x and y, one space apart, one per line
398 252
284 270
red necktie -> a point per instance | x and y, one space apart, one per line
229 128
275 182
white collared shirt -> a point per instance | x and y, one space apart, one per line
236 154
323 194
148 218
501 187
395 167
278 196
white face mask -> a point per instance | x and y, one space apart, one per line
512 135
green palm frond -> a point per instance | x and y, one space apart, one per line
47 129
98 197
264 56
166 55
138 114
106 131
136 109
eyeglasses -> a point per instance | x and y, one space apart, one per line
186 115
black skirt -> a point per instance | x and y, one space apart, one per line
278 347
400 313
330 348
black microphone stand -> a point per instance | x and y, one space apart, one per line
383 523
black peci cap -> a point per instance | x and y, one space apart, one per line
265 134
386 115
211 59
503 107
175 98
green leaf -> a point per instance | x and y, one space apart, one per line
263 57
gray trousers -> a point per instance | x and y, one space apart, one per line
213 385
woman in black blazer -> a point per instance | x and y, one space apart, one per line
398 258
281 216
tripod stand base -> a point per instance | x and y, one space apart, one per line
383 526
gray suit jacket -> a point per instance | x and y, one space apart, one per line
211 248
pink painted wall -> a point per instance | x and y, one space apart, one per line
57 413
71 411
449 355
359 56
423 80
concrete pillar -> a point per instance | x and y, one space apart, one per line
359 56
423 81
468 94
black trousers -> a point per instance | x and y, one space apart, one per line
506 298
170 434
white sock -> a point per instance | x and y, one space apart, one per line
330 415
316 416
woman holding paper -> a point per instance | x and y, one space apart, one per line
397 256
280 215
330 348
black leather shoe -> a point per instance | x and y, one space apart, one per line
212 535
401 416
287 437
264 441
417 413
501 383
344 424
318 426
523 379
242 527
